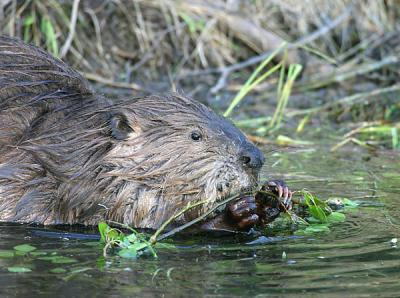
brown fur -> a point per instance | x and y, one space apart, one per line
68 155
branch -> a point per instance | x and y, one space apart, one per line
196 220
72 25
226 71
109 82
346 100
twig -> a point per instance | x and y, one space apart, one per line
122 53
12 19
340 77
353 140
200 218
74 16
360 128
345 100
99 79
3 6
156 44
97 30
226 71
196 220
153 239
259 140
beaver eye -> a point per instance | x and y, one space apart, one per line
196 136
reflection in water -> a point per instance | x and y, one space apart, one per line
356 257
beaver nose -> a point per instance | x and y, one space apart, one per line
252 157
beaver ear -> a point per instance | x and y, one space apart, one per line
120 127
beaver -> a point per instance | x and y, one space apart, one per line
71 156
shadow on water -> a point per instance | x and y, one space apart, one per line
357 257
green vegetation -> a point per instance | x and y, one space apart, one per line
317 217
284 87
130 246
25 253
253 81
320 214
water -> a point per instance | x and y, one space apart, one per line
356 258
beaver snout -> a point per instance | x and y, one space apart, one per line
252 157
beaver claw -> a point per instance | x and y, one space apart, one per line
283 193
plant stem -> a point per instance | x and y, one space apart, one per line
249 85
197 219
153 238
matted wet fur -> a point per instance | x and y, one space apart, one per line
68 155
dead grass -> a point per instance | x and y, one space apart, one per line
348 48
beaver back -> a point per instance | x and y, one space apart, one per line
32 82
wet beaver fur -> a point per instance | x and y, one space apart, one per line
69 155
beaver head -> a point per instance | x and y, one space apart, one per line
170 150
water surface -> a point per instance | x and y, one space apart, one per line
355 258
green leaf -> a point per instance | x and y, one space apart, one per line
193 25
313 220
25 248
101 262
106 232
125 243
20 253
312 200
286 141
38 253
46 26
128 253
164 245
349 203
138 246
49 258
318 209
113 234
29 20
336 217
318 213
131 238
92 243
81 269
58 259
103 228
58 270
64 260
6 253
316 228
18 269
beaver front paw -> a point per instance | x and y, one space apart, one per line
273 198
283 200
243 212
239 215
270 206
250 211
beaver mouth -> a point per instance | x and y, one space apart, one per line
225 192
